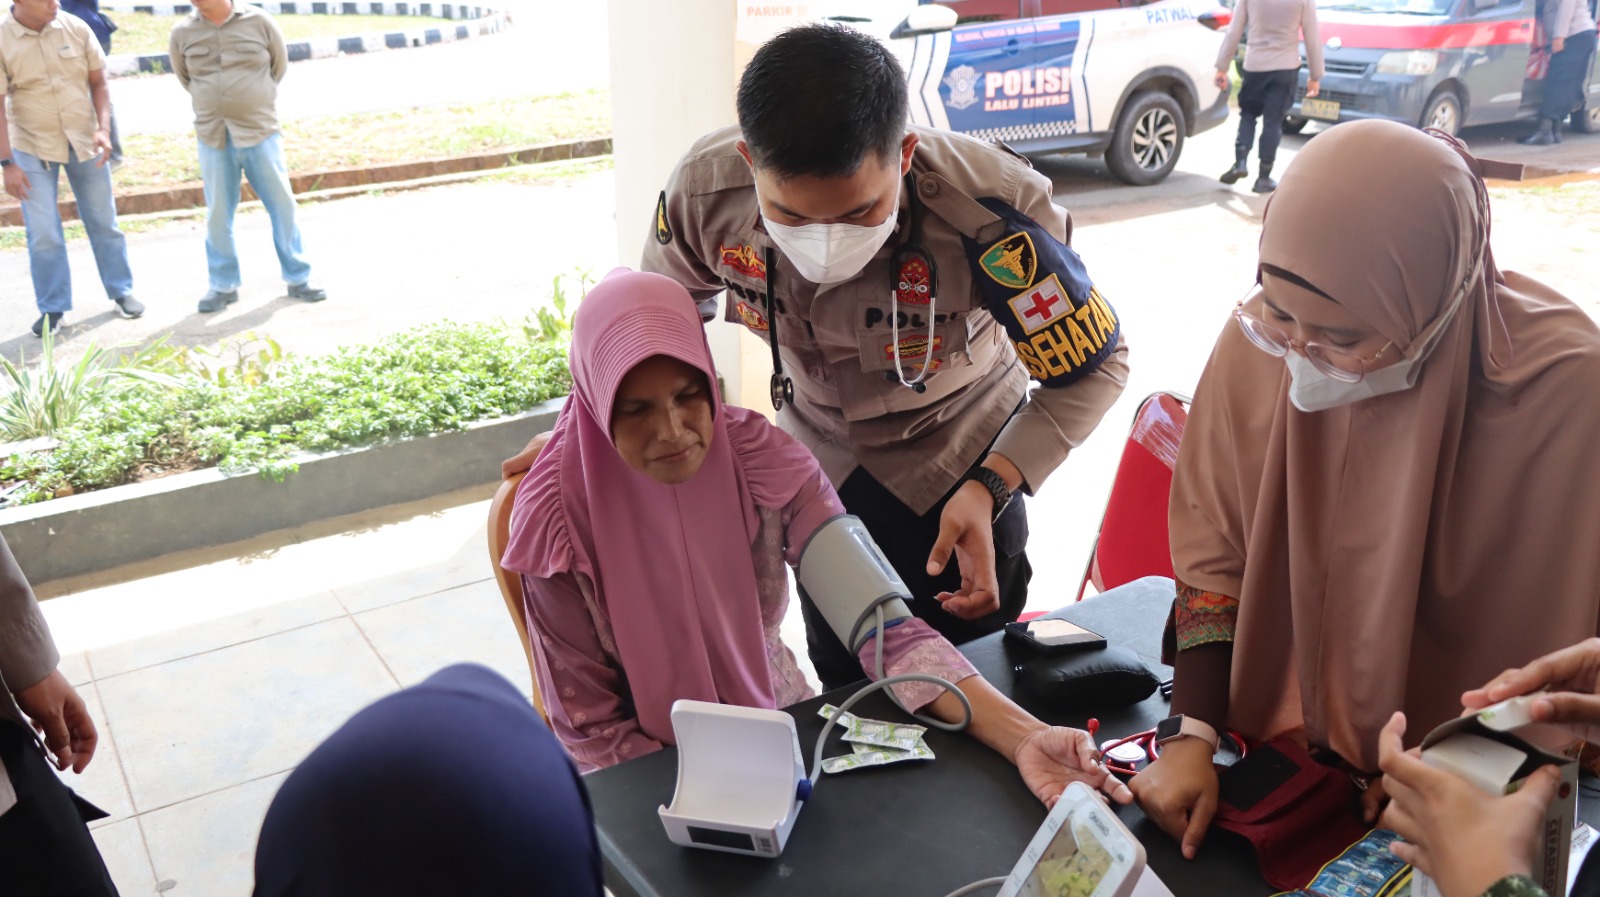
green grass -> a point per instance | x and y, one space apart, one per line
352 141
142 33
1577 201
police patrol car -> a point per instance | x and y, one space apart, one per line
1127 79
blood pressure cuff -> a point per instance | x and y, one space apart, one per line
1298 813
1039 290
1108 677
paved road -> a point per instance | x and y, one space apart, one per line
551 48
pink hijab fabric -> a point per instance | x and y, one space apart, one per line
671 565
1392 553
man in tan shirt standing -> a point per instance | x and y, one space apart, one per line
230 58
57 116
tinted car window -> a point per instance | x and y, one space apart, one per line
1065 7
969 11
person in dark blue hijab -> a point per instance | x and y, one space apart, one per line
454 786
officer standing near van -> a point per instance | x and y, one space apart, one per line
913 282
1571 27
1271 30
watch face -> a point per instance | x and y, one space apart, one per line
1171 727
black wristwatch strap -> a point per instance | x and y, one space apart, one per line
7 162
994 483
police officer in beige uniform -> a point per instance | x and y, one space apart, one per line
915 281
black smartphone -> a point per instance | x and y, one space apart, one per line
1054 636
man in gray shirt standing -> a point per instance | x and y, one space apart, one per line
1271 73
230 58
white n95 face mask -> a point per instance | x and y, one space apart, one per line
1311 390
829 253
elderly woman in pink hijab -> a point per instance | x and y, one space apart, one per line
652 534
1386 493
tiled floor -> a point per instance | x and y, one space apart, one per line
209 682
212 674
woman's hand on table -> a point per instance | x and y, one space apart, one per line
1463 837
1179 792
1572 675
1052 757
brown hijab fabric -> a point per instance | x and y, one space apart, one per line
1392 553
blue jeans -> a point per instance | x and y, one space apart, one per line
264 165
47 247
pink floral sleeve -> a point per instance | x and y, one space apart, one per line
909 647
582 685
914 647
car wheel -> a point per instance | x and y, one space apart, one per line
1294 124
1443 113
1587 120
1148 139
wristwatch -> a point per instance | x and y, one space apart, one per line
994 483
7 162
1179 726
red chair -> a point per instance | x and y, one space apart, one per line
1132 542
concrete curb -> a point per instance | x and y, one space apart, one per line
470 22
168 199
100 530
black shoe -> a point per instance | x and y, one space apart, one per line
1544 136
129 307
50 319
305 292
217 300
1234 174
1264 184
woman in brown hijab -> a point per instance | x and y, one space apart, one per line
1388 489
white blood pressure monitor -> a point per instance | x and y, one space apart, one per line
1082 848
741 778
741 781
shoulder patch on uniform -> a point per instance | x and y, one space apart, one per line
1011 262
663 230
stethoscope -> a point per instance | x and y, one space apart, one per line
903 264
1123 756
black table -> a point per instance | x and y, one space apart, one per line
915 830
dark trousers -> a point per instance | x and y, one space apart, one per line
45 847
1268 96
907 539
1564 84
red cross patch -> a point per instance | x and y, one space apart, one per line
1042 305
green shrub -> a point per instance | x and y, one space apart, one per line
431 379
44 400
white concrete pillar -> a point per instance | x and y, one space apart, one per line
675 67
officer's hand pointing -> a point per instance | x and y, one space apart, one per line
965 527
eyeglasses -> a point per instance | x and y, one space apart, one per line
1340 364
